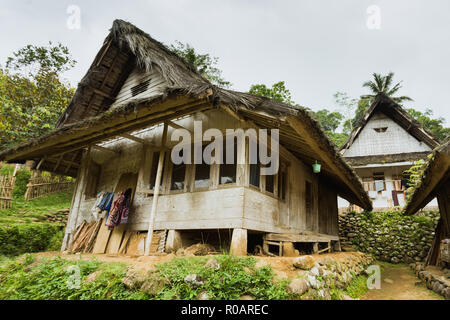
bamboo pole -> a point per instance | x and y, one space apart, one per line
148 241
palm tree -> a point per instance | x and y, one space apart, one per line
383 84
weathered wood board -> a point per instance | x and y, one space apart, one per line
127 180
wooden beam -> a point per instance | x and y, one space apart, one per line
104 130
104 149
151 225
58 162
177 126
131 137
40 163
232 113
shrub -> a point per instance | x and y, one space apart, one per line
22 238
22 178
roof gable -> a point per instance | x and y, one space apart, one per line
386 106
124 50
383 136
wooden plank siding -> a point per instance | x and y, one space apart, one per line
218 207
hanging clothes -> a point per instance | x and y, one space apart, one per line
95 209
379 185
395 197
105 204
120 210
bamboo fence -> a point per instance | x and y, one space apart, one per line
6 190
40 186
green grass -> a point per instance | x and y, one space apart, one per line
24 278
356 289
33 211
24 229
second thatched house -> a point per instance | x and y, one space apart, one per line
117 137
382 147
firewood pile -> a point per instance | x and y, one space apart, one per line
85 236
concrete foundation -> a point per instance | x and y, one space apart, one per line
173 241
238 245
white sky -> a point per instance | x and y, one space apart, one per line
316 47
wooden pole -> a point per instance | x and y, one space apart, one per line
151 225
73 218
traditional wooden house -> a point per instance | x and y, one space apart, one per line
114 136
385 143
436 183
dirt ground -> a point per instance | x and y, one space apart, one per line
398 282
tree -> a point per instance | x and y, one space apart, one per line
329 121
277 92
383 84
350 124
32 92
203 63
435 126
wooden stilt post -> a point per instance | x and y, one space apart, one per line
148 241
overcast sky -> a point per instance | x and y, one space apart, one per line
316 47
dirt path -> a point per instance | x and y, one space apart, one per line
398 282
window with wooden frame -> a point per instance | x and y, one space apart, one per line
202 176
282 181
92 181
178 176
228 172
255 169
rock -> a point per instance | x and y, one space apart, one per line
133 278
203 296
199 249
153 286
395 260
298 286
312 282
246 298
304 262
316 271
92 277
194 280
212 264
446 293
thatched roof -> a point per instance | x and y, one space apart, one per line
393 110
436 175
90 118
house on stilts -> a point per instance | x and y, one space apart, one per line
117 138
436 184
386 142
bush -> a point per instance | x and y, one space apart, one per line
23 238
22 178
7 170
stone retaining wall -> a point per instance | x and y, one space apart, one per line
389 236
435 280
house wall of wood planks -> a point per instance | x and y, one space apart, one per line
236 206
